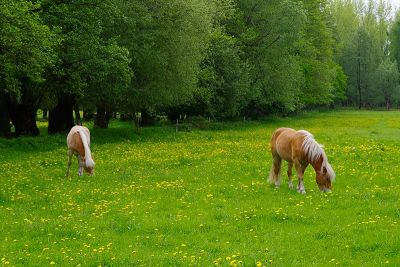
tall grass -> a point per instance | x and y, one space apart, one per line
202 198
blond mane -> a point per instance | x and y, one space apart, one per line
313 151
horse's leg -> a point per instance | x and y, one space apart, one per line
274 173
69 162
80 164
289 174
300 168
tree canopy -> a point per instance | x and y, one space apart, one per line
221 59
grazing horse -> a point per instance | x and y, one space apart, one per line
301 149
78 142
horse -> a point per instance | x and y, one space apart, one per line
301 149
78 142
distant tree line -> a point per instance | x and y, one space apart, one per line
220 59
367 46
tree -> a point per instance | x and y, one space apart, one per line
361 29
89 57
166 41
110 82
386 81
269 33
317 55
395 40
345 21
26 50
226 75
359 67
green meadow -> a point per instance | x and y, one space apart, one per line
200 197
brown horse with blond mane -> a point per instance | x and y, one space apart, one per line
301 149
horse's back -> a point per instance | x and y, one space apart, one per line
286 142
282 134
281 130
77 129
281 142
74 140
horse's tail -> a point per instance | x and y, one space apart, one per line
88 156
274 173
272 176
276 164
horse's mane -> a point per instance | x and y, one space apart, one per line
313 151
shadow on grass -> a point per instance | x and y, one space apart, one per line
119 132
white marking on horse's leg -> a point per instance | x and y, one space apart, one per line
80 165
326 190
274 176
289 173
301 187
290 184
271 178
300 174
69 163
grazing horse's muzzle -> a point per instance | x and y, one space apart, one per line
326 190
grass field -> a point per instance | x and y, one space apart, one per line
200 197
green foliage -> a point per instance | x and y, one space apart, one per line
339 85
270 32
345 20
359 67
317 57
395 40
26 45
202 198
226 75
386 81
362 44
86 48
111 79
214 58
166 41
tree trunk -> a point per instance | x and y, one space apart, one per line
61 118
125 116
24 120
147 119
137 119
359 80
5 128
101 119
78 120
45 115
23 114
87 115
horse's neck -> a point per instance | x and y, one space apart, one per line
318 163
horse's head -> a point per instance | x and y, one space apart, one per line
89 166
89 170
324 178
